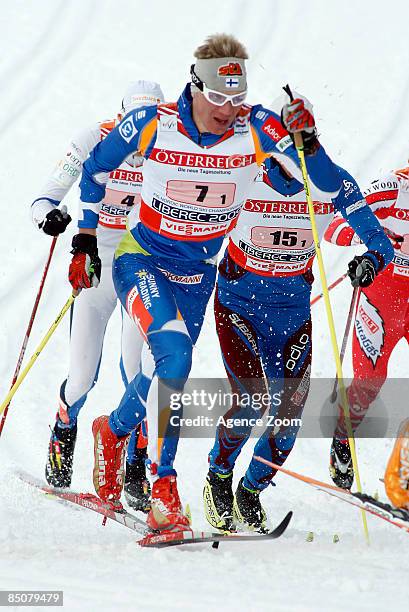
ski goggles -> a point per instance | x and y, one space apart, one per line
216 97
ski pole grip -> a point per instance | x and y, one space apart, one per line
288 91
298 139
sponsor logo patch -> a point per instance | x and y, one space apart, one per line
137 307
241 125
128 130
242 327
302 389
230 69
289 208
284 143
194 160
349 187
194 279
273 128
369 329
355 206
168 123
126 175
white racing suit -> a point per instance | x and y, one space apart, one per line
92 309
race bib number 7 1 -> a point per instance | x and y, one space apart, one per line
213 195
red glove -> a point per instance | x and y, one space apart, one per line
85 266
297 116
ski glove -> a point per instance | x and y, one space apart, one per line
395 239
297 116
55 221
85 267
361 271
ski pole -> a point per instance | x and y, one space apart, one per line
345 341
37 352
299 145
30 325
331 286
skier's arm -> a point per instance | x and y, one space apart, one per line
271 138
381 196
135 133
356 212
45 213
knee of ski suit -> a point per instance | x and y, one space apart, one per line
172 352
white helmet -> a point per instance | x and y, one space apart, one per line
142 93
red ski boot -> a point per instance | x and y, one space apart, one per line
166 510
108 473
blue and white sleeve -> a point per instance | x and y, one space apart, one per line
352 205
124 140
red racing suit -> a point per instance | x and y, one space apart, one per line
382 311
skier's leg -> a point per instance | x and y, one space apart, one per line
137 487
161 310
239 346
379 325
286 354
397 471
89 316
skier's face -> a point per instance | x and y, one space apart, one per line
211 118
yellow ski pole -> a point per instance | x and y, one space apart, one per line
37 352
344 400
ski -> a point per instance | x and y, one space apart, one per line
177 538
89 501
394 516
150 539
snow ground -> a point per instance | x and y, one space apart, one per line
64 65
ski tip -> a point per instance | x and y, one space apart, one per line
279 530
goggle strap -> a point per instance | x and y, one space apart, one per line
195 79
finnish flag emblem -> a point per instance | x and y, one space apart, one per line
232 83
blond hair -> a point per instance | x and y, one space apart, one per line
221 45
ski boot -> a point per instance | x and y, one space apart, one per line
108 473
137 488
247 508
58 469
340 463
166 512
218 500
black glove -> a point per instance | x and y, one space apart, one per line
85 266
55 222
361 271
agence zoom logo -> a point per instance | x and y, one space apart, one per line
191 215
